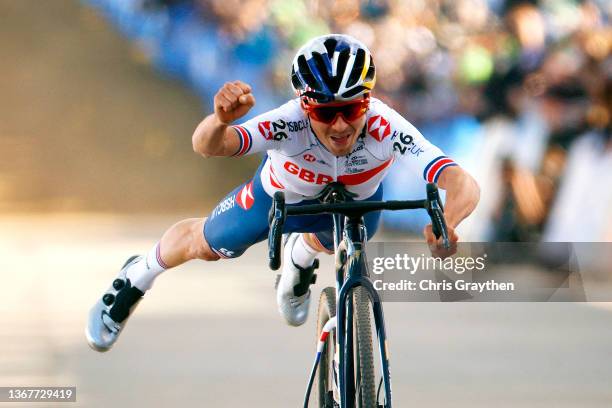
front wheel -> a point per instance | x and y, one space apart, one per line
364 355
326 382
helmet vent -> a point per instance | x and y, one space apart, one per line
354 91
357 69
304 71
332 83
342 65
330 46
371 70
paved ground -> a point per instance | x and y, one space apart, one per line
209 335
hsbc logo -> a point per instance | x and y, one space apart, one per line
245 198
227 204
378 127
273 130
264 129
309 157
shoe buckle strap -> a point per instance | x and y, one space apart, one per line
307 277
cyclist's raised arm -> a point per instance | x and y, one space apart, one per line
217 135
214 136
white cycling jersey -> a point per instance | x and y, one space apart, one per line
300 165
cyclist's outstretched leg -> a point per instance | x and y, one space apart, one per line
237 222
180 243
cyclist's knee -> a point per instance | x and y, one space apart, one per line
199 248
311 239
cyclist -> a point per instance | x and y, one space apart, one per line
333 131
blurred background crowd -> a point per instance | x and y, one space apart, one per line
519 92
98 102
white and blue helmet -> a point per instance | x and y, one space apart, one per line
334 67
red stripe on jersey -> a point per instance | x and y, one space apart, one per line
360 178
246 142
432 172
273 180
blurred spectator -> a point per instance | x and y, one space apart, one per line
582 210
505 87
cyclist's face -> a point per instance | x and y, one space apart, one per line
340 135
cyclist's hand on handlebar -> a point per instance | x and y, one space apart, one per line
233 101
435 245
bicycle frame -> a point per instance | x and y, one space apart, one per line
351 272
350 255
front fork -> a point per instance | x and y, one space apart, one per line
344 329
344 337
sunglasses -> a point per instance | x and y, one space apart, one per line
327 113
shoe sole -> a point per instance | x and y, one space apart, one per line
93 345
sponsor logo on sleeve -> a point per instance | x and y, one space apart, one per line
297 126
378 127
273 130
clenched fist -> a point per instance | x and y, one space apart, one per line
233 101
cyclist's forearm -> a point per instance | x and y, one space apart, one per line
209 137
462 194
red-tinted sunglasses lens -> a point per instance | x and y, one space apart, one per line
349 111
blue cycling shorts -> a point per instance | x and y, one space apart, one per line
241 220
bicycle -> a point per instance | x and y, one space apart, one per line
345 356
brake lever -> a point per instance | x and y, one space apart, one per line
276 220
436 213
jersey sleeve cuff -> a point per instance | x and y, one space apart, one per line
435 167
246 141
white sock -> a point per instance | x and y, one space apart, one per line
303 254
143 273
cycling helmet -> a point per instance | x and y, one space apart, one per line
334 67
